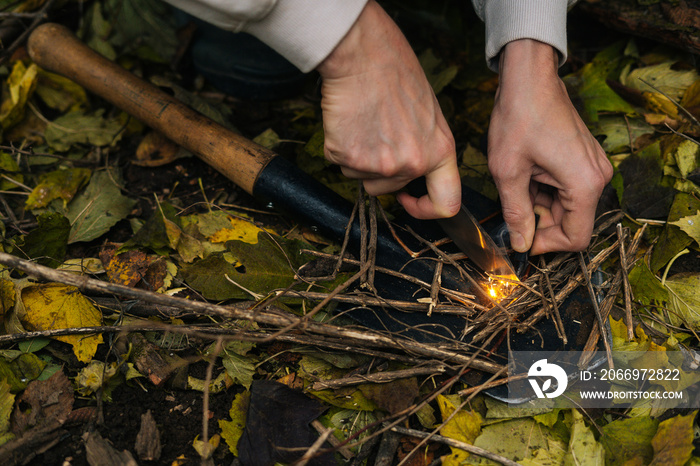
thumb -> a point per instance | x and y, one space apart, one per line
444 196
518 213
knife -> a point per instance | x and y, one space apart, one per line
468 235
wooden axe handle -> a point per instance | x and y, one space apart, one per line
55 48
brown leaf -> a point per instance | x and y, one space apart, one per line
127 268
44 403
156 150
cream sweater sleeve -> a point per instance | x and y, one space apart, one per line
509 20
303 31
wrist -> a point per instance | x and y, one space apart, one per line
528 57
373 37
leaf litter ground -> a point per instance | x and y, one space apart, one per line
165 222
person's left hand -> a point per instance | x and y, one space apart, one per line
542 157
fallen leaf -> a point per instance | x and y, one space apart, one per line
643 193
10 168
7 296
54 306
522 440
20 85
690 225
438 77
464 426
156 150
58 184
583 447
206 449
43 403
98 208
620 132
257 268
239 230
661 78
268 138
127 268
590 83
79 127
60 93
48 242
232 430
392 397
673 442
241 369
673 240
684 299
266 440
94 377
7 400
627 439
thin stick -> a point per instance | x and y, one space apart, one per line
245 312
626 284
365 300
455 443
379 377
435 288
559 325
596 308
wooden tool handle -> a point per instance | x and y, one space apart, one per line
55 48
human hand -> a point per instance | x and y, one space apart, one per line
542 157
382 122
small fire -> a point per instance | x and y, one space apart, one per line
498 289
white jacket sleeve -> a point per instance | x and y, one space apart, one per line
303 31
509 20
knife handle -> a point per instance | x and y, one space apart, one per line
55 48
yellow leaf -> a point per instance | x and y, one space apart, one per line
241 230
21 83
206 449
94 376
464 426
659 103
7 295
54 306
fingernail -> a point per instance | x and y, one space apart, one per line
518 242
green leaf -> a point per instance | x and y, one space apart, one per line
160 233
628 439
583 447
58 184
673 442
590 83
232 430
10 168
98 208
7 401
620 132
438 79
690 225
259 268
644 194
522 440
646 287
49 240
240 368
686 157
673 239
60 93
684 299
79 127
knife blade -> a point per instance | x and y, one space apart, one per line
469 236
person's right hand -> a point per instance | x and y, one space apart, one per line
382 122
